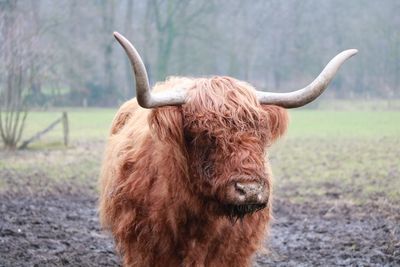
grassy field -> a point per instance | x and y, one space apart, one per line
344 124
85 124
350 156
89 124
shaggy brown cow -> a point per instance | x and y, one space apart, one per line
176 178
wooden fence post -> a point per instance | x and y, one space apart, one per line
65 127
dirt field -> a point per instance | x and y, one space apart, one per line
62 229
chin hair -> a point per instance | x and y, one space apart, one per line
235 212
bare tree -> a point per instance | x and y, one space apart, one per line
18 42
173 18
108 23
128 29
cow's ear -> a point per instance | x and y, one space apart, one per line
166 123
278 120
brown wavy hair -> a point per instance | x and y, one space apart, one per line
165 172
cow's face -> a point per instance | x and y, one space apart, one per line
227 133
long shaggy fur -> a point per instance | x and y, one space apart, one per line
165 171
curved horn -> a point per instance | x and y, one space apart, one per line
144 97
309 93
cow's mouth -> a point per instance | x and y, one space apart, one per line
236 212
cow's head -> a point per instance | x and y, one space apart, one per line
226 133
224 126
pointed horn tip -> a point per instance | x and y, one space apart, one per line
118 36
122 40
351 52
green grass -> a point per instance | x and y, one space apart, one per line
343 124
342 156
351 156
84 124
352 170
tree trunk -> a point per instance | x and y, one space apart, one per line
128 29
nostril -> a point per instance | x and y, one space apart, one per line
240 188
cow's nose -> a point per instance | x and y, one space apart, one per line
251 192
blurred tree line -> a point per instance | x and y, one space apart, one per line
63 52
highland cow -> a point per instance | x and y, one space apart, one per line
185 178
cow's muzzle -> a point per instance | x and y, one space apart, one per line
250 192
246 197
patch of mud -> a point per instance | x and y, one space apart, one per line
316 234
63 230
53 231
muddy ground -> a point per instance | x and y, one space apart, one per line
62 229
